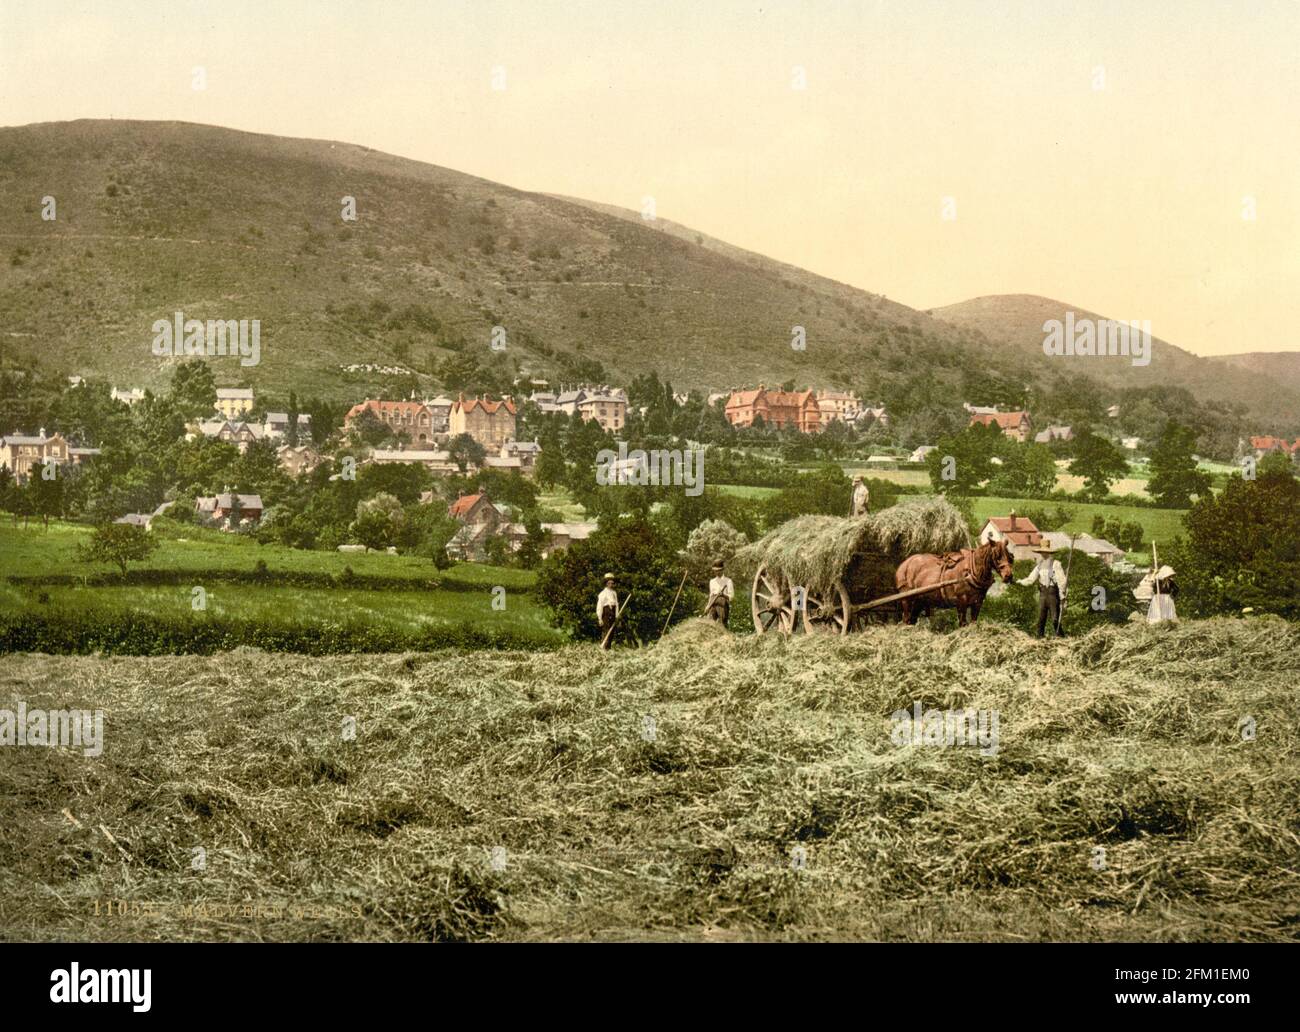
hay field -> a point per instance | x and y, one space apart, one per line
1127 739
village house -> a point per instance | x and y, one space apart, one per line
608 408
920 453
79 455
490 423
440 409
144 519
779 409
1018 532
838 405
434 461
545 401
237 433
481 521
230 509
1268 443
1098 548
869 415
1054 433
525 451
277 425
1014 424
127 397
559 536
603 404
21 452
297 460
234 401
412 418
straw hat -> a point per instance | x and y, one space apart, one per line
609 576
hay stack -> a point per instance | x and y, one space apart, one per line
817 551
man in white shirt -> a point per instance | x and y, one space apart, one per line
721 592
607 608
1050 578
861 497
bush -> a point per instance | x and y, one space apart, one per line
645 568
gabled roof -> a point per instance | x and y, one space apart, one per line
235 393
490 407
1003 420
464 504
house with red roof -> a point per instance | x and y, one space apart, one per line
798 409
1268 443
413 418
1014 424
1019 532
491 423
480 521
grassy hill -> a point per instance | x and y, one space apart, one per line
513 795
155 217
1017 320
159 217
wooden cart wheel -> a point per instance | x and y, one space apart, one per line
826 613
771 603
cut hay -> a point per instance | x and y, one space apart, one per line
817 551
509 795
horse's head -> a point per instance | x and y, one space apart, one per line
1003 561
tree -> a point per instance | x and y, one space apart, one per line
961 462
118 543
826 490
1099 462
1175 477
711 541
1243 549
379 521
193 390
465 451
45 492
1027 470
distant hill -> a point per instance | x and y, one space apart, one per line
1017 320
159 217
1280 368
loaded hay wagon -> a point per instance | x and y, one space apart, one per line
830 574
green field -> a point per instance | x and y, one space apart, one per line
1161 525
37 563
747 491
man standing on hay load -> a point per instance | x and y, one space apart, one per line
721 592
607 610
1050 578
861 497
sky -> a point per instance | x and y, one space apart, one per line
1140 159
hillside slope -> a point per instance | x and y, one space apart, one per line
1017 320
159 217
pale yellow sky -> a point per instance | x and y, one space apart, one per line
1126 200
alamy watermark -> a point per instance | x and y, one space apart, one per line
976 728
1099 337
181 337
658 467
80 729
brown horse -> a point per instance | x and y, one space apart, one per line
974 567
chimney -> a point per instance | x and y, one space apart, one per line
1013 520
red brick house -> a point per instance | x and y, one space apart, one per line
1014 424
413 418
234 508
491 423
779 409
1018 532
